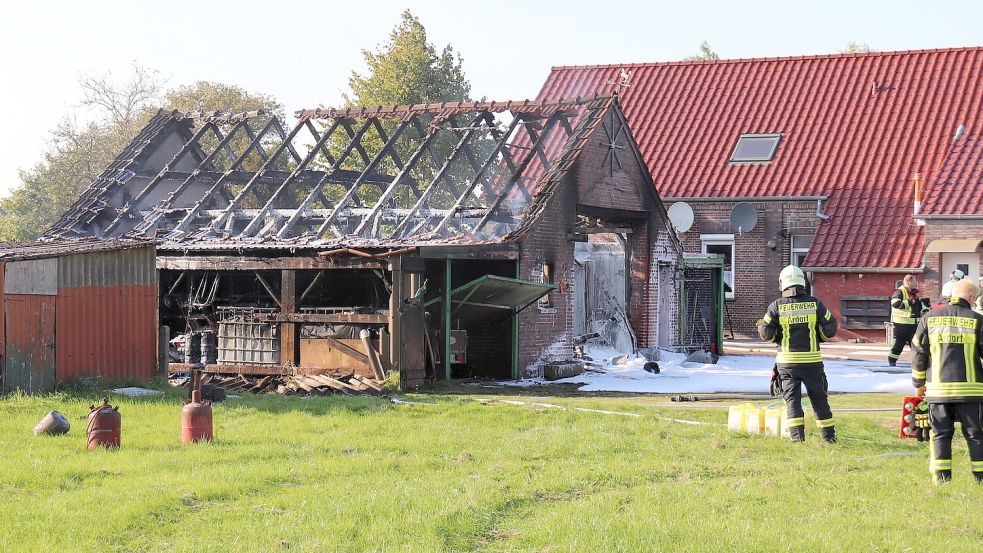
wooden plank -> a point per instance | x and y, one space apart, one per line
335 383
369 382
338 318
260 370
321 352
288 331
243 263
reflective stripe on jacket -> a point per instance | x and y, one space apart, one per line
901 312
947 347
798 324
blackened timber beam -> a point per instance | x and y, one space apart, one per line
516 174
332 318
390 190
256 144
317 139
285 184
193 141
258 370
289 352
268 288
310 287
248 188
193 213
357 142
492 157
353 190
428 191
237 263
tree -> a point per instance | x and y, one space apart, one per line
706 53
856 48
408 70
78 152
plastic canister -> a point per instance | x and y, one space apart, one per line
755 418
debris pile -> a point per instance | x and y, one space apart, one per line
298 385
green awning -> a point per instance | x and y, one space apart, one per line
492 292
953 246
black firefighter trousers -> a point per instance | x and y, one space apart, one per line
943 417
814 379
902 337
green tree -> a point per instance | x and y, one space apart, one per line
406 69
856 47
78 152
706 53
409 70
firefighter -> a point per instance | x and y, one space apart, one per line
797 323
954 277
948 374
906 308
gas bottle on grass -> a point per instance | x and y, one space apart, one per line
196 415
105 424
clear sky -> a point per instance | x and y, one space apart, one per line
301 52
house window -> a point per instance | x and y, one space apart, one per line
865 311
547 278
755 148
800 248
722 244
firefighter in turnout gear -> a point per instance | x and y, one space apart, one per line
798 323
947 372
906 308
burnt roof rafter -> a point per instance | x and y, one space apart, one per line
450 171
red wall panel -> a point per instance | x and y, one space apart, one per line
109 331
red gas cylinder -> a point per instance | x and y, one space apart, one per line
196 419
104 427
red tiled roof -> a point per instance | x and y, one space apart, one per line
856 127
958 187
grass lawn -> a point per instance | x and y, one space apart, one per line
354 474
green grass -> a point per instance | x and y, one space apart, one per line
354 474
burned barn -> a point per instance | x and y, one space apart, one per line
473 239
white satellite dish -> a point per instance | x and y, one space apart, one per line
681 216
743 218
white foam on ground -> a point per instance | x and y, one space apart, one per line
743 373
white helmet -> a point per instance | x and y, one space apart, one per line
791 276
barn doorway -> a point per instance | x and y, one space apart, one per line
601 290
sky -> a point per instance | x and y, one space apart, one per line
302 52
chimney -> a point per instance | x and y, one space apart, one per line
918 197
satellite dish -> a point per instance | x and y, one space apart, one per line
743 217
681 216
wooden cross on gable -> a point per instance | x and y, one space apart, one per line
613 132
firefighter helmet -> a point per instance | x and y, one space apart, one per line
791 276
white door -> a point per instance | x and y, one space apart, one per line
968 263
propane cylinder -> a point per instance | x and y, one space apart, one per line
104 427
196 419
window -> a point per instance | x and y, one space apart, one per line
800 247
722 244
547 278
865 311
755 148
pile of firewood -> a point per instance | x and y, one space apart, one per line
302 385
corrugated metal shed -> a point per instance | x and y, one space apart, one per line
77 308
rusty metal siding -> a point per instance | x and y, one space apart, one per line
34 276
29 363
3 309
107 331
135 266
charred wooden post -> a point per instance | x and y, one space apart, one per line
288 306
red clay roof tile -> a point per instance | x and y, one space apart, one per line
856 128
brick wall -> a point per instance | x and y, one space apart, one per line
933 278
756 265
831 287
618 190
